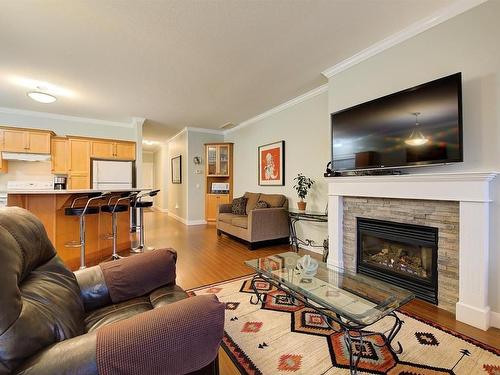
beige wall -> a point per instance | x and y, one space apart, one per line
177 193
162 173
306 131
469 44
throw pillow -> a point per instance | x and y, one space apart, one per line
239 205
261 204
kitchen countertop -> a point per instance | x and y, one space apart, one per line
71 191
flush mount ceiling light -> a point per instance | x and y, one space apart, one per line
41 97
416 137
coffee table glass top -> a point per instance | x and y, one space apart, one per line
294 211
357 298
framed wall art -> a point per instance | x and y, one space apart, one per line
272 164
176 166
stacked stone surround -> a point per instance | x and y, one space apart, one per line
443 215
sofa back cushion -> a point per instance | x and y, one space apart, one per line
252 199
39 297
273 200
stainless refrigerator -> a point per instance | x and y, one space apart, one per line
111 175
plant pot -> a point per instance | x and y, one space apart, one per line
302 205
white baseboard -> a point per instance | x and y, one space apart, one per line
476 317
196 222
494 319
178 218
186 222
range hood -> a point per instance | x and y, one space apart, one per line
25 157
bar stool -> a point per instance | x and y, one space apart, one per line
138 203
82 212
114 209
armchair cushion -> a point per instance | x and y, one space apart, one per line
178 339
253 198
135 276
262 204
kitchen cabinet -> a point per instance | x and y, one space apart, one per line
79 163
105 149
26 141
60 155
4 165
212 203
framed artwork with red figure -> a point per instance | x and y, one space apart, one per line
272 164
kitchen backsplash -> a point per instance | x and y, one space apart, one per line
26 171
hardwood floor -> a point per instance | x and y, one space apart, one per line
204 258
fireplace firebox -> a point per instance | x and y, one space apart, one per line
400 254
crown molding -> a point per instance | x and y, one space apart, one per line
414 29
204 130
57 116
299 99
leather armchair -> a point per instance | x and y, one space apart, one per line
53 321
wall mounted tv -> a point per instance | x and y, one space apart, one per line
418 126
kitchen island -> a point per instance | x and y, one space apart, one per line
49 205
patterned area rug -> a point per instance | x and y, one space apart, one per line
281 337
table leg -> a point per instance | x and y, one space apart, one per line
293 235
260 299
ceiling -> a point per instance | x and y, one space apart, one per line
199 63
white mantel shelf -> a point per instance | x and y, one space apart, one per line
464 186
473 192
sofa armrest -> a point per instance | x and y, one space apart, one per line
138 275
93 289
268 223
182 337
224 208
75 356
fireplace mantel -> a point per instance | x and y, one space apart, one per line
471 189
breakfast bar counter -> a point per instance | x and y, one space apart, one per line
49 205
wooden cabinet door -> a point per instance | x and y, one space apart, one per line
38 143
4 165
102 149
60 156
125 150
79 156
223 160
212 203
14 140
78 181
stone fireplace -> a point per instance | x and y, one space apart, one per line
447 264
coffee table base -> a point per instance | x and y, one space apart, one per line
351 331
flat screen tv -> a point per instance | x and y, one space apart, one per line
418 126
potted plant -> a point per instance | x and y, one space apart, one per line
302 185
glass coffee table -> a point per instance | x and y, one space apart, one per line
351 300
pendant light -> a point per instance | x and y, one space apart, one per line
416 137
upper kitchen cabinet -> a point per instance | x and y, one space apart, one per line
79 156
25 140
105 149
60 155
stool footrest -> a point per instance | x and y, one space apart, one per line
73 244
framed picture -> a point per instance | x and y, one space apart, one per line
176 165
272 164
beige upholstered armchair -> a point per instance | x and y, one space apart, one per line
259 225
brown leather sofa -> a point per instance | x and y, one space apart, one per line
52 321
259 225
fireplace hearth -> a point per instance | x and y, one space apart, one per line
400 254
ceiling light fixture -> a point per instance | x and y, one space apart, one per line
41 97
416 137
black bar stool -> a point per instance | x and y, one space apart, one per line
138 203
114 209
81 212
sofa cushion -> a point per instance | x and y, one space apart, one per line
253 198
273 200
261 204
240 221
225 217
238 207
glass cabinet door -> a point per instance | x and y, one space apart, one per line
212 160
223 160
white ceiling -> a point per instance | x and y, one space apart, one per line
184 63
